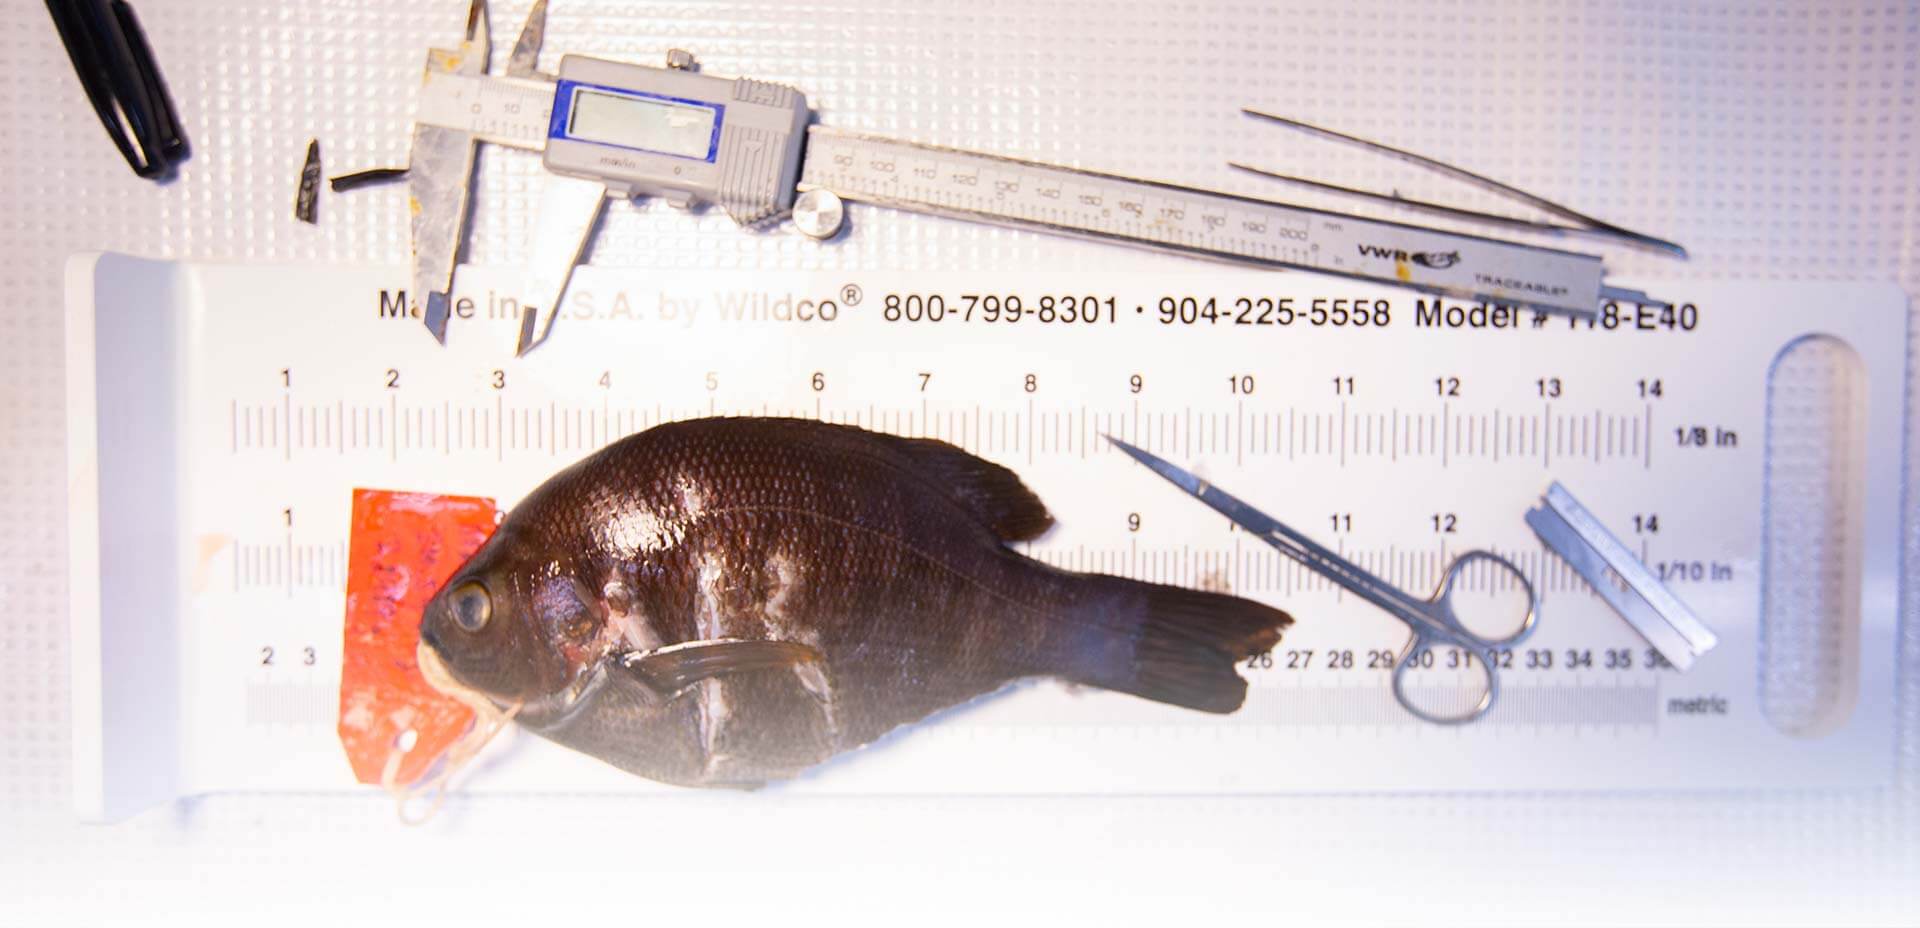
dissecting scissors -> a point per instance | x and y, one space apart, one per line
1433 622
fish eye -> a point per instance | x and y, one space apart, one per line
471 606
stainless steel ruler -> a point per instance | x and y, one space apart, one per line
982 187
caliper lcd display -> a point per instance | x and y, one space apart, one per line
681 128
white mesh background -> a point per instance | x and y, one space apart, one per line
1777 140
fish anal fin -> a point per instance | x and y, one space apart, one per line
992 493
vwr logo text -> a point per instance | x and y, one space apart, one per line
1433 259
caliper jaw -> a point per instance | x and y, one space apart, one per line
439 178
440 167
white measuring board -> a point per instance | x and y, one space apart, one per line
223 414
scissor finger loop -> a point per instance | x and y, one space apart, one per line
1447 612
1421 643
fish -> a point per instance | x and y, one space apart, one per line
731 601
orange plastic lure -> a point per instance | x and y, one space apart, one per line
403 547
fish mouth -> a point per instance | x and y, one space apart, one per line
552 709
435 672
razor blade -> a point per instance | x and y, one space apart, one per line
1620 578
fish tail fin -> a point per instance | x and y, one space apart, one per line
1184 645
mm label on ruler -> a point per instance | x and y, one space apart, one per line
1395 429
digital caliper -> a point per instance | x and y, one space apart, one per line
612 129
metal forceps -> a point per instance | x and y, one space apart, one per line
1433 622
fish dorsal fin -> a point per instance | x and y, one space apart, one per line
992 493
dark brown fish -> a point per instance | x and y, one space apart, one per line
723 602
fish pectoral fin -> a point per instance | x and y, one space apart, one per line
672 669
764 710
